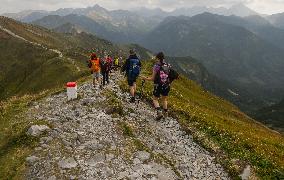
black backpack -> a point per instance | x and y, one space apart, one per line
173 75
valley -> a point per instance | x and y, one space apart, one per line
227 103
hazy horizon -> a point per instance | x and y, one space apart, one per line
260 6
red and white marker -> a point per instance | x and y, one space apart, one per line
71 90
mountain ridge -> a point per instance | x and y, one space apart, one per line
216 43
40 54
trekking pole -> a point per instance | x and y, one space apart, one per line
142 88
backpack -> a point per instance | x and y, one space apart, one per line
173 75
109 64
134 68
95 65
166 75
106 64
116 61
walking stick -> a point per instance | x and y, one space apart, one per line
141 91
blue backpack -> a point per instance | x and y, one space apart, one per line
134 68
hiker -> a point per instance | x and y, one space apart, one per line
94 65
162 76
116 63
105 69
110 62
132 69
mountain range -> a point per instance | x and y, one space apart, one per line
272 116
99 12
33 59
277 20
230 52
237 51
117 25
196 71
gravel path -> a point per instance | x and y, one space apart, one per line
87 141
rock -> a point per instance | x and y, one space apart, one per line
37 130
142 155
31 160
95 146
66 143
38 148
80 138
45 139
98 158
44 146
109 157
67 163
123 175
246 173
136 161
134 176
52 178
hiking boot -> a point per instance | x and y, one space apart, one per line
132 100
159 115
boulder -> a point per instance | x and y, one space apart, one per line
37 130
31 160
142 155
67 163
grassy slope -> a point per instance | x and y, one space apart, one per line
27 68
222 128
15 145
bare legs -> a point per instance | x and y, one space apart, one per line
95 80
132 90
164 102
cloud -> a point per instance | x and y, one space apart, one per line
263 6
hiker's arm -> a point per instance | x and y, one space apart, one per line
152 78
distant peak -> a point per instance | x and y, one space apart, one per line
98 7
239 5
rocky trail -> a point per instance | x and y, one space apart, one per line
86 140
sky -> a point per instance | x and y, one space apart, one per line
261 6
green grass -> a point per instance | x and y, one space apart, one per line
223 129
15 145
126 129
114 105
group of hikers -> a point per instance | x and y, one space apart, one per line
102 67
162 76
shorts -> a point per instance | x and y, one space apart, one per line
96 75
131 81
161 90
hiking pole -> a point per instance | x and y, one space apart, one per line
142 88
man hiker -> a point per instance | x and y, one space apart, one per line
106 64
95 66
132 68
162 77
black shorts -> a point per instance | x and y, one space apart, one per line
131 81
161 90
